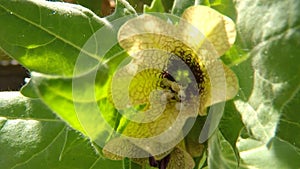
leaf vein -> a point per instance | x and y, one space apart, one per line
36 154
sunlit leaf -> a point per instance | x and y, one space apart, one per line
31 136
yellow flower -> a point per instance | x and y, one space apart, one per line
175 74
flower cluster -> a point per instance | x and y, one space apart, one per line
175 73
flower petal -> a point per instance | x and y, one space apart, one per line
151 129
224 86
156 137
150 32
219 29
118 148
145 32
180 159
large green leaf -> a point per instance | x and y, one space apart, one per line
271 32
31 136
47 37
63 98
56 91
268 100
59 59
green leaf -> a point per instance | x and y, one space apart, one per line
156 6
277 154
31 136
47 37
288 128
94 5
57 94
270 110
226 7
179 6
127 163
67 101
28 90
231 124
235 55
56 91
202 161
3 56
221 153
122 8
